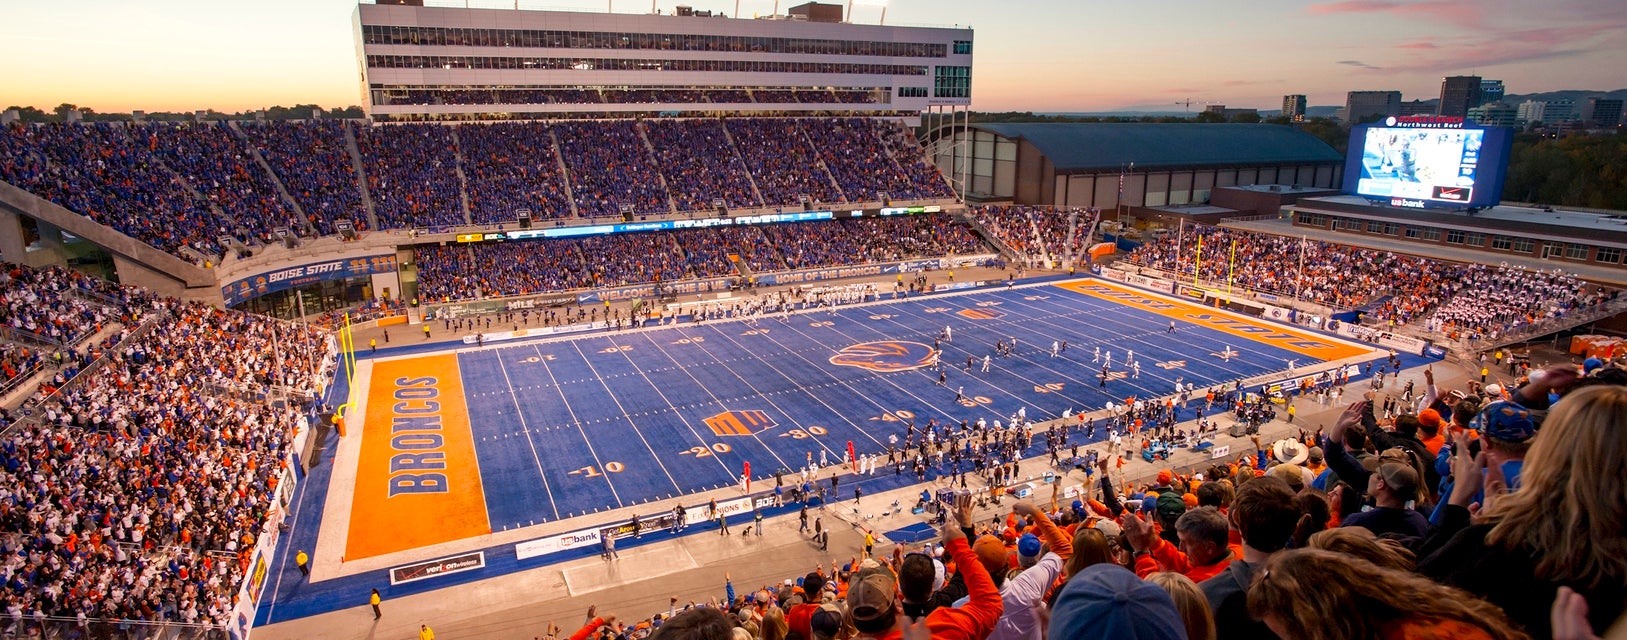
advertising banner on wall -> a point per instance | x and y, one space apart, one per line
255 286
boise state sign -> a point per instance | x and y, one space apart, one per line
887 356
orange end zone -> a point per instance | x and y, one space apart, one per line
417 478
1301 342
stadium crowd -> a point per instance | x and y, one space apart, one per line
610 168
700 164
41 303
1338 535
187 185
853 150
137 491
412 175
106 173
1037 232
784 165
1488 301
218 165
537 266
314 165
1334 275
512 166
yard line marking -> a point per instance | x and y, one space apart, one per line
578 421
527 430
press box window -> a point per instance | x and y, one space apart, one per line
963 47
912 92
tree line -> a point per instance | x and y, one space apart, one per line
279 112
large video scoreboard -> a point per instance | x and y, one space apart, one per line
1428 161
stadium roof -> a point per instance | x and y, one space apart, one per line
1085 146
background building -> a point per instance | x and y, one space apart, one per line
456 63
1363 104
1491 91
1602 112
1137 165
1458 94
1293 107
1417 108
1530 111
1495 114
1229 114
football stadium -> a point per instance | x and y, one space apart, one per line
621 326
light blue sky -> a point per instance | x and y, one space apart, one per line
1041 55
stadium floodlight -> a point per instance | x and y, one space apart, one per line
868 3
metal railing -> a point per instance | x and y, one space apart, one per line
29 337
46 627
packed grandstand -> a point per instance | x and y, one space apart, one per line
188 185
141 471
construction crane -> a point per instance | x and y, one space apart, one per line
1191 101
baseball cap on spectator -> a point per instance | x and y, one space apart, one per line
1431 420
870 598
1293 475
1107 526
1590 364
1009 536
1170 506
1191 500
1399 476
1028 549
1507 421
826 622
1315 454
1392 454
1165 477
991 552
1107 601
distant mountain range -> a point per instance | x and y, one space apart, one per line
1327 111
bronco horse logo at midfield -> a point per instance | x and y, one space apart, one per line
888 356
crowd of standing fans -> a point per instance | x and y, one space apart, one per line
512 166
137 491
610 168
412 175
114 177
1454 299
1037 232
700 164
188 185
314 165
462 272
219 165
1338 535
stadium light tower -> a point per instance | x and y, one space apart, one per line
868 3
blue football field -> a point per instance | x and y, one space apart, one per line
611 420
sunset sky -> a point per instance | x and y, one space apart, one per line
1039 55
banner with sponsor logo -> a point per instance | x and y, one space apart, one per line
1162 286
1113 274
453 310
1406 344
912 266
589 538
958 286
1220 451
255 286
533 332
1276 313
438 567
